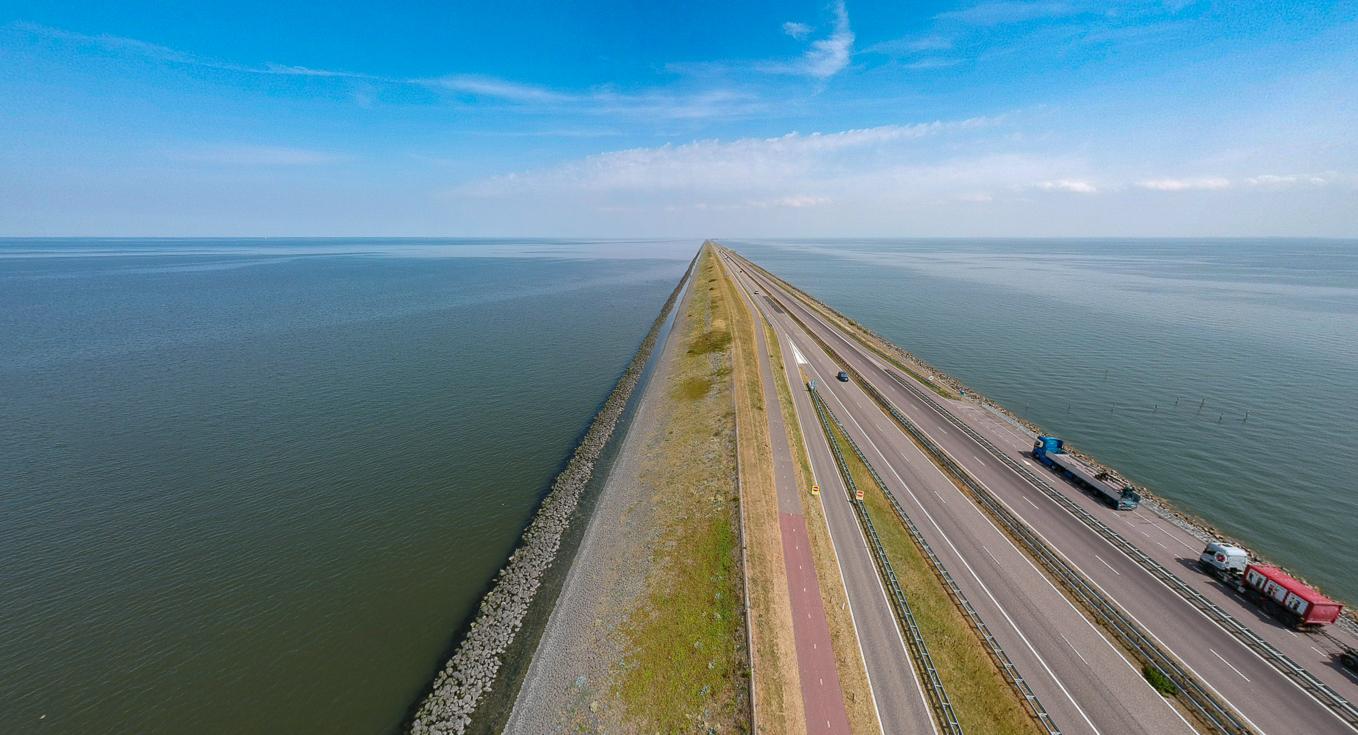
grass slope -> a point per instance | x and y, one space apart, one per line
686 667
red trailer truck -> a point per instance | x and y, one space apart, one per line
1300 606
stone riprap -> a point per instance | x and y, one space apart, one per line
472 670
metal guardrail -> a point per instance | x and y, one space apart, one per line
1280 661
1001 659
1212 712
938 697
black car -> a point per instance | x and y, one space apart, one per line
843 376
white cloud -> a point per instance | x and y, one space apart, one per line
789 164
1286 181
826 57
1077 186
797 30
794 201
1207 183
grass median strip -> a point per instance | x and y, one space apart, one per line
853 674
777 683
983 700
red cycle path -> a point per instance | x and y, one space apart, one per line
821 695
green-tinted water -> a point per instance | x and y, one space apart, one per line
256 486
1148 354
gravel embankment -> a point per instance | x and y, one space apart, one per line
565 689
473 668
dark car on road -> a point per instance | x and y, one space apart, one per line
843 376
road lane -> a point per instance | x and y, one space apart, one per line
1177 549
822 696
1030 617
896 690
1124 702
1270 700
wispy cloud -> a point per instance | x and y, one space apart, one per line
654 104
305 71
124 45
257 155
826 57
105 41
933 62
797 30
762 169
662 104
1001 13
910 45
482 86
1205 183
1076 186
1287 181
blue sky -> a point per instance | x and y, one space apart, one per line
994 118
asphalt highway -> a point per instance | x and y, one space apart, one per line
896 692
1086 684
822 695
1082 679
1177 549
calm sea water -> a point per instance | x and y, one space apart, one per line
1148 354
256 486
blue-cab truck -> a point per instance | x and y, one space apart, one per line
1051 452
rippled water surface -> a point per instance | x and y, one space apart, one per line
255 486
1149 354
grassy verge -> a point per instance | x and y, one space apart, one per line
983 700
853 675
686 665
777 683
